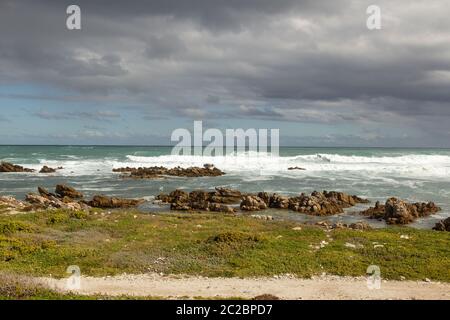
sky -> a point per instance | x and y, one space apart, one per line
137 70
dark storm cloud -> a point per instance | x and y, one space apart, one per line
292 60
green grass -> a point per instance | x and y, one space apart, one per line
46 243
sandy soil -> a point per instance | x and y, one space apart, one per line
285 287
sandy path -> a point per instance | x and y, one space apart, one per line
327 287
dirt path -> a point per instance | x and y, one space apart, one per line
327 287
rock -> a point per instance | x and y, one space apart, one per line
443 225
158 172
226 195
66 191
316 204
202 200
100 201
40 202
8 202
253 203
46 169
296 168
278 201
360 226
397 211
376 212
9 167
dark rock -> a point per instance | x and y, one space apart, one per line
201 200
158 172
9 167
376 212
46 169
278 201
100 201
65 191
296 168
443 225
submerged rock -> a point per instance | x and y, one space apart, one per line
9 167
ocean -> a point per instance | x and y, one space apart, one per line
374 173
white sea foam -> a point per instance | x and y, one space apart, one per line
407 165
386 168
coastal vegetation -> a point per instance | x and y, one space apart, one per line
102 243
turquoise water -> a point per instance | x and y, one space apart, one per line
375 173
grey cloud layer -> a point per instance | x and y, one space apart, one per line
285 60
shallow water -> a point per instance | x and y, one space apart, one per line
375 173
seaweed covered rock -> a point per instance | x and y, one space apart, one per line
9 167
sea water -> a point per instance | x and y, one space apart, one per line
374 173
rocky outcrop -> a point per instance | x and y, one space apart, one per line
318 203
9 167
46 169
253 203
323 203
443 225
41 202
202 200
157 172
397 211
104 202
296 168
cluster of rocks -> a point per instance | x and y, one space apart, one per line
9 167
64 197
158 172
318 203
443 225
397 211
202 200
